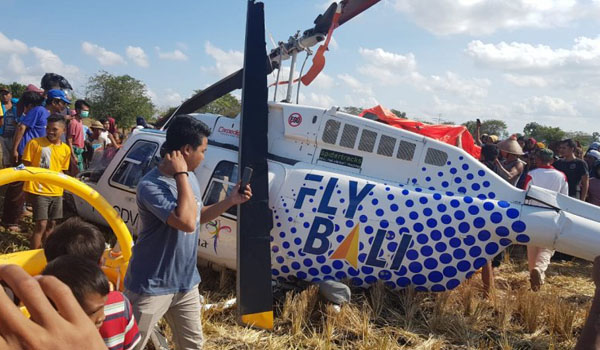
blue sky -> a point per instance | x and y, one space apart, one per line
517 60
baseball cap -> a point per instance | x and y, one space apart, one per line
34 88
4 89
546 154
56 93
594 154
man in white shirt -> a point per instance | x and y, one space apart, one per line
547 177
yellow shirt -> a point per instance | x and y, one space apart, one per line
39 152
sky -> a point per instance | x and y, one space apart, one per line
450 60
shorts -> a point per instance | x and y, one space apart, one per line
45 207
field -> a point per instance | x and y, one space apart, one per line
512 317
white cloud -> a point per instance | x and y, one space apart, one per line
227 62
480 17
317 100
166 99
585 53
176 55
526 80
456 85
138 56
104 56
386 67
546 106
11 46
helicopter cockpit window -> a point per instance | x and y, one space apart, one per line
137 162
436 157
367 140
349 136
222 182
330 134
386 146
406 150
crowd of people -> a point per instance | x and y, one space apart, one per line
42 128
39 129
522 161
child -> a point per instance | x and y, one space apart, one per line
79 238
51 153
87 282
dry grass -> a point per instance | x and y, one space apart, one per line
512 317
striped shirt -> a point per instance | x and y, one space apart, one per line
119 330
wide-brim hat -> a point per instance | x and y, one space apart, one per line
97 125
511 145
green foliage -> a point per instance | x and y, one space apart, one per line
490 127
399 114
584 138
121 97
227 105
547 134
15 88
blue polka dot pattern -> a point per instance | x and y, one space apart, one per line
453 232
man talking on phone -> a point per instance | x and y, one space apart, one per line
162 279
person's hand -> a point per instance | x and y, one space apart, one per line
238 198
478 123
15 157
173 163
66 327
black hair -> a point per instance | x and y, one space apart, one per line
80 275
54 81
80 103
184 130
570 143
75 237
489 152
31 98
56 118
103 120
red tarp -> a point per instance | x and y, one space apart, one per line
445 133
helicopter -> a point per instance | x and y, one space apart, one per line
337 196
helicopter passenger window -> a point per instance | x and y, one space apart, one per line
137 162
436 157
386 146
330 134
222 182
367 141
349 136
406 150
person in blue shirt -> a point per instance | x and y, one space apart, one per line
162 278
8 124
14 196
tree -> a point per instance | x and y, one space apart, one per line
547 134
227 105
121 97
490 127
15 88
352 110
399 114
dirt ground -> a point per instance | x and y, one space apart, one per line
512 317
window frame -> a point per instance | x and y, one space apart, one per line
117 185
212 178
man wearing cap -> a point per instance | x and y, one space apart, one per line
75 135
8 124
547 177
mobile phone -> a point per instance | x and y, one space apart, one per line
246 176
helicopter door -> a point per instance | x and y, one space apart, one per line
217 237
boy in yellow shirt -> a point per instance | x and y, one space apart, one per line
51 153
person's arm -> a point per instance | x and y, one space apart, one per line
211 212
113 142
589 339
514 173
585 184
21 128
478 133
184 216
57 321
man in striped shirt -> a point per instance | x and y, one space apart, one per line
547 177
